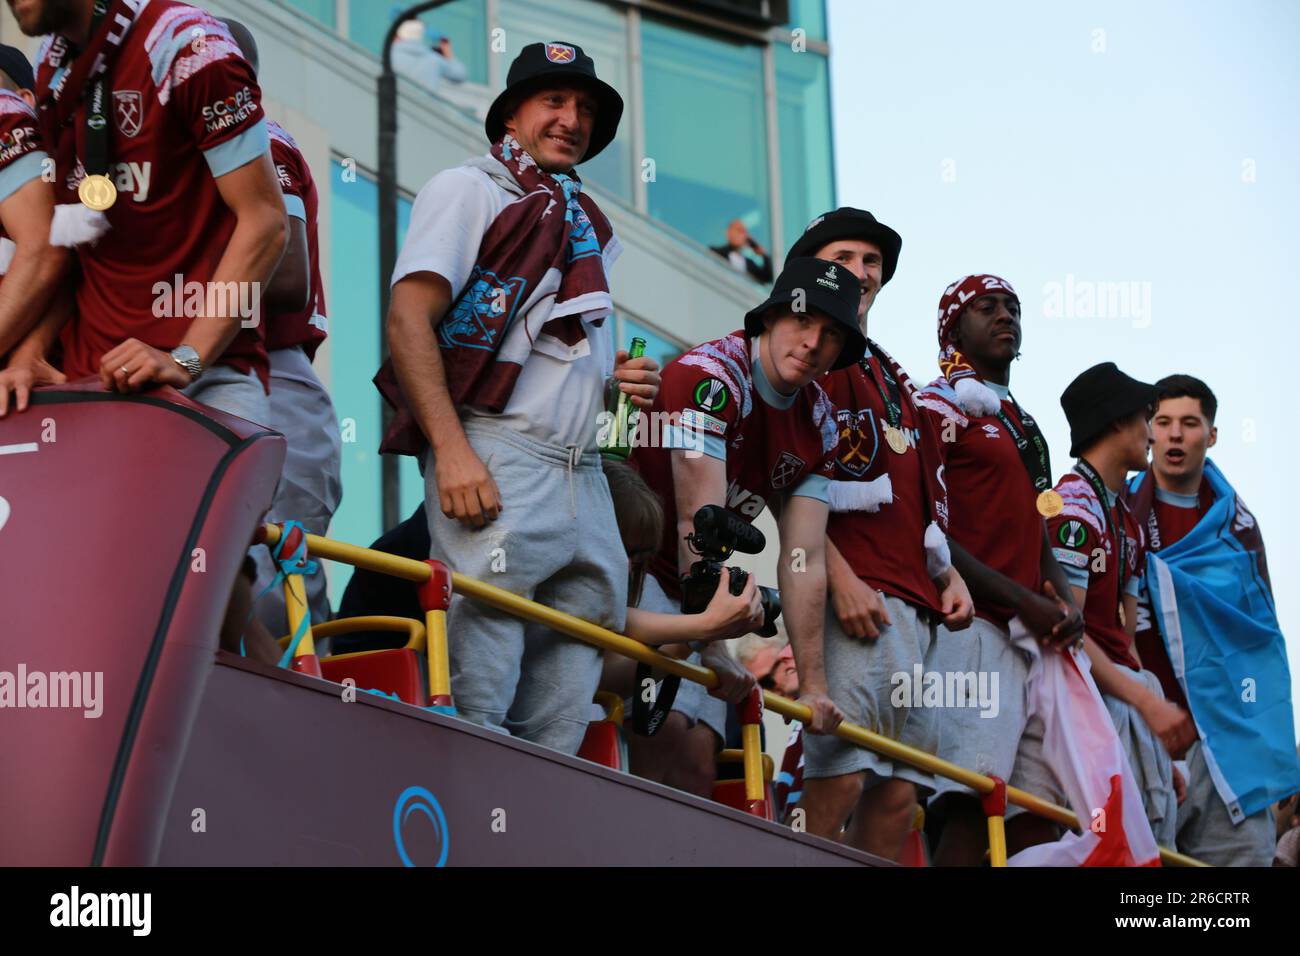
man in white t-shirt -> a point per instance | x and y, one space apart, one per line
504 374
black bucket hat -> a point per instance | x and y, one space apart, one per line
824 287
539 62
17 67
1096 398
849 223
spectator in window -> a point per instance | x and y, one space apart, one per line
424 60
498 383
733 250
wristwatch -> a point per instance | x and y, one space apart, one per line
188 359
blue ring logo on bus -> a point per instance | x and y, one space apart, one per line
419 799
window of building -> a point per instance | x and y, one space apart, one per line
658 346
601 31
804 124
809 16
322 10
706 132
465 21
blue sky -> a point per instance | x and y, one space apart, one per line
1144 155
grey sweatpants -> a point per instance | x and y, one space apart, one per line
1150 762
1206 830
310 487
556 542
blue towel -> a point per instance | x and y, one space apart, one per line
1212 601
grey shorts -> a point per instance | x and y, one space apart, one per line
1148 759
234 392
863 677
555 541
310 488
1206 831
692 701
1032 772
985 670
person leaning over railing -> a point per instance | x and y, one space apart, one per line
749 426
890 582
502 341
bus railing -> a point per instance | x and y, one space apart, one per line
437 583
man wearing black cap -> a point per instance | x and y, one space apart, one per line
750 427
501 344
888 568
29 265
1101 549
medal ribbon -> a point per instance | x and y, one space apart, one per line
1114 522
1037 460
892 400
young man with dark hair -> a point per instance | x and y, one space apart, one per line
293 304
1100 546
889 576
29 265
1206 626
999 475
502 344
163 178
750 427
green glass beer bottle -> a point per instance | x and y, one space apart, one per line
623 414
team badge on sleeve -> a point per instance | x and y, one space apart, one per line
1072 534
711 395
559 53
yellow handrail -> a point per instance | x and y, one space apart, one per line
418 572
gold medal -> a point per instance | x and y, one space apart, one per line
1050 503
97 193
896 440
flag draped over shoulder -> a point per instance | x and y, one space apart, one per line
1212 601
1082 748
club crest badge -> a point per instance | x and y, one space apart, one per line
560 53
787 469
129 109
484 310
858 441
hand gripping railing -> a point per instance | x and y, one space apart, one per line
434 580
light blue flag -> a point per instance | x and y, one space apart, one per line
1211 600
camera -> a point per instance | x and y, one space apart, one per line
719 533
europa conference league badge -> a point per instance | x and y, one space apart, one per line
896 440
97 193
1050 503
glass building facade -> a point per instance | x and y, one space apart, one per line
722 121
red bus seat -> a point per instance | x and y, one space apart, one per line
731 793
604 742
397 672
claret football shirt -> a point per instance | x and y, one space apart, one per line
308 326
21 157
1088 553
185 110
715 400
993 511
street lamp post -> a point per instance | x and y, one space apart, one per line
388 233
